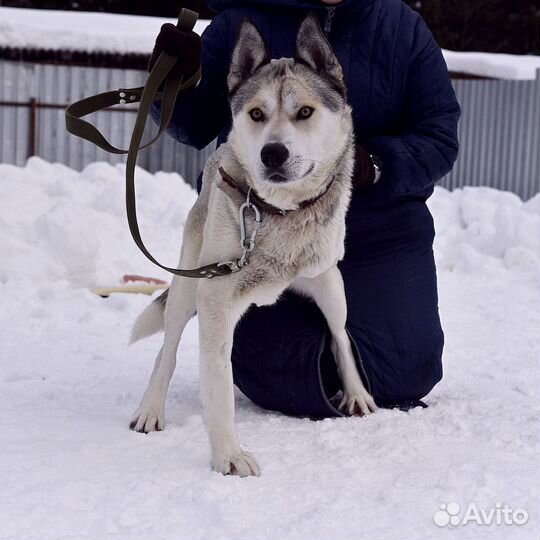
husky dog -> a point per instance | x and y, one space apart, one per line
291 144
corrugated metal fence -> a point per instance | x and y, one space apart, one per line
32 118
499 135
499 130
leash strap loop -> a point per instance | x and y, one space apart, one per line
146 95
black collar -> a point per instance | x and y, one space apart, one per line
262 204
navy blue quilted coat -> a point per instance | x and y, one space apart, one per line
406 113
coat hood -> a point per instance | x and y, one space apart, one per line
220 5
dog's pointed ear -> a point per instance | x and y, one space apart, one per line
249 55
313 49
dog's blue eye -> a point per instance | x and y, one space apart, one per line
304 113
256 115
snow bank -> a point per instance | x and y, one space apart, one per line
58 224
70 467
483 229
80 30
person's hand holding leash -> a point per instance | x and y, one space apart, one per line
185 45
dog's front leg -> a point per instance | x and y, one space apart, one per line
218 315
328 291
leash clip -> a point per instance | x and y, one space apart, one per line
248 245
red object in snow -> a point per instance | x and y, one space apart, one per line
128 278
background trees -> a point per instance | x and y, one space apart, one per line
462 25
162 8
509 26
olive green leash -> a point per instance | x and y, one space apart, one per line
161 72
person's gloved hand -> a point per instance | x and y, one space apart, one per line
364 170
185 45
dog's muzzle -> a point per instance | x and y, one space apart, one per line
273 156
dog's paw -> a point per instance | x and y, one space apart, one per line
147 419
239 463
357 403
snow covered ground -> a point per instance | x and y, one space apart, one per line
71 469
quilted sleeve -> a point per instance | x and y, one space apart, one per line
426 147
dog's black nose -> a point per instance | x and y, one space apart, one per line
274 155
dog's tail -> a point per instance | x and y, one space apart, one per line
151 320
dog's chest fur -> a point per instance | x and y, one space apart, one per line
305 242
302 243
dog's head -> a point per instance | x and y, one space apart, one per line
291 120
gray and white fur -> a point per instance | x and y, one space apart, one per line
292 134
